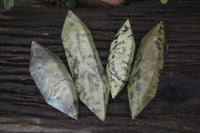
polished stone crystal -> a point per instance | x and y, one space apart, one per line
120 59
85 65
144 79
53 80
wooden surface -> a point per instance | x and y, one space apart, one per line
176 107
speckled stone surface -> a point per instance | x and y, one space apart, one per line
85 65
144 79
53 80
121 56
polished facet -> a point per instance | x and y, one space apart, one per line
144 79
53 80
85 65
120 59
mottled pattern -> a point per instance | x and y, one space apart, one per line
53 80
144 79
85 65
120 59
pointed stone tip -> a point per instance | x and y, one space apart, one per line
133 118
73 114
116 90
75 117
70 12
72 16
101 115
160 24
158 27
127 22
34 44
57 104
113 94
101 118
133 115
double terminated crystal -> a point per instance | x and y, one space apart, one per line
85 65
143 82
53 80
120 59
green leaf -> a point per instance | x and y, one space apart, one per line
70 3
8 4
163 1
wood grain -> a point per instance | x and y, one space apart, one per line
176 107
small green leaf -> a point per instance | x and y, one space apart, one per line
163 1
70 3
8 4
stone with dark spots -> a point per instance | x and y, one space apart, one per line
144 79
85 65
120 59
53 80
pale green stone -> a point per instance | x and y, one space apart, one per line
120 59
85 65
144 79
53 80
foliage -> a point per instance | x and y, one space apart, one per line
70 3
8 4
163 1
